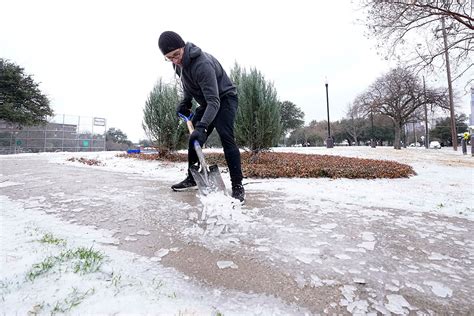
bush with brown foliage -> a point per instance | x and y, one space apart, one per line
291 165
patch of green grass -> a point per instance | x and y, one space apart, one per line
88 260
116 280
82 260
41 268
85 260
50 239
72 300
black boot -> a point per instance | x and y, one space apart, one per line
238 192
185 184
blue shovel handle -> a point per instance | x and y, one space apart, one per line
187 120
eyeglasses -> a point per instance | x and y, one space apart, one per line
176 54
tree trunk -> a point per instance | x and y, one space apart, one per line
254 156
398 131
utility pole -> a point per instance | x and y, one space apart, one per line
450 88
427 133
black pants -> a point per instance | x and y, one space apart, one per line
224 124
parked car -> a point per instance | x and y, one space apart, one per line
435 144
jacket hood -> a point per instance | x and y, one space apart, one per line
191 51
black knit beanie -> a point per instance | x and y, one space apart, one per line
169 41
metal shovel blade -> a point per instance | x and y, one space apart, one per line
208 180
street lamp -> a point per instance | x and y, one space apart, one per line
329 141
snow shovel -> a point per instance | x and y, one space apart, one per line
208 178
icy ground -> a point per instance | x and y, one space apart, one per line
297 246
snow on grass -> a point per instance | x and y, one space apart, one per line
49 266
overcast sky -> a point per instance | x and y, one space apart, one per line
101 58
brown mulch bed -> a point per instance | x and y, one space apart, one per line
291 165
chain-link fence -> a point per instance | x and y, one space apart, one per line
61 133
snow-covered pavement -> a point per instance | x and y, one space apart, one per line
297 246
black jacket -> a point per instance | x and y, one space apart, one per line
203 79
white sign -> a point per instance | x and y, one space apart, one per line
99 121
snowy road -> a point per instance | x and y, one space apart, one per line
326 246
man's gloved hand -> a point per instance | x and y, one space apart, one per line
199 134
183 109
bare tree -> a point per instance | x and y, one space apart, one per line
414 29
430 35
398 95
314 134
354 124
